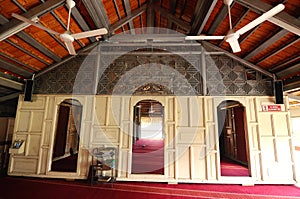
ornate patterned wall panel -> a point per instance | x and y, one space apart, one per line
129 73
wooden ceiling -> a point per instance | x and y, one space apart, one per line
273 46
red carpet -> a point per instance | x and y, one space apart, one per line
230 168
17 187
148 156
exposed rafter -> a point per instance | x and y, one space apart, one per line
219 19
76 14
184 25
15 69
38 46
11 84
128 13
288 71
266 44
46 7
128 18
150 14
276 51
201 15
282 19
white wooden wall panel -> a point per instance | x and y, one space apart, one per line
191 137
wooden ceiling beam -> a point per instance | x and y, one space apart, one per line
282 19
94 9
128 13
3 20
266 44
202 12
10 27
19 5
15 69
80 20
27 52
172 4
291 84
150 15
184 25
128 18
288 71
118 13
9 97
27 38
276 51
17 61
8 83
218 20
284 64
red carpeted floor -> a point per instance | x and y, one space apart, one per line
231 168
33 188
148 156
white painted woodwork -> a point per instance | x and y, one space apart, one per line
191 138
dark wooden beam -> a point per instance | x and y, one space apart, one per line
9 97
218 20
184 25
202 12
3 20
14 24
150 14
275 51
8 83
15 69
128 13
284 64
17 61
288 71
27 52
128 18
38 46
282 19
80 20
266 44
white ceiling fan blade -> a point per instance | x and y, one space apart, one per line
15 15
70 47
261 19
232 39
204 37
91 33
235 46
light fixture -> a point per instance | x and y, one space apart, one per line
151 110
15 29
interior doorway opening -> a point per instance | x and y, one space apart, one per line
234 157
66 140
148 138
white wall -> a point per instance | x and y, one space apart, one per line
191 138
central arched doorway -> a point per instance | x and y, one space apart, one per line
234 156
148 138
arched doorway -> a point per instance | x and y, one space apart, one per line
66 138
234 157
148 138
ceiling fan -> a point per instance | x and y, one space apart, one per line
67 37
232 36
